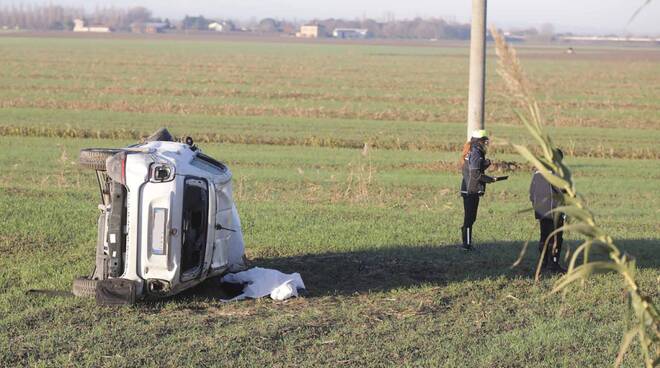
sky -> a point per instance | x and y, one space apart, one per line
580 16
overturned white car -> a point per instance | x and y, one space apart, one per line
168 220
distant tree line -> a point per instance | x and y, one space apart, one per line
55 17
199 23
50 17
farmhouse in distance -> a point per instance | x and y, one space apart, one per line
311 31
79 26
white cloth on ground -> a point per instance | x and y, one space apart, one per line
262 281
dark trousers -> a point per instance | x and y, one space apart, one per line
470 206
554 244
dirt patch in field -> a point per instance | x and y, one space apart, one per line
313 141
297 96
436 166
551 51
237 37
619 54
455 166
344 112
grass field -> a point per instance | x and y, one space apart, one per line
374 235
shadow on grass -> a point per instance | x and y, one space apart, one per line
394 267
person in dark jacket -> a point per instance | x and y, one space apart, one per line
474 181
545 197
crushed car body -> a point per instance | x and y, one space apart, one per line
168 221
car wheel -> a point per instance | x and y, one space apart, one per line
94 158
84 287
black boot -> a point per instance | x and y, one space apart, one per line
555 267
466 233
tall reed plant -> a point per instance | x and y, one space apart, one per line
548 161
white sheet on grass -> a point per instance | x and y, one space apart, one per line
262 281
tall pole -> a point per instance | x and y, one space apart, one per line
477 67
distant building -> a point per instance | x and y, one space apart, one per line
156 27
221 26
313 31
512 37
149 27
79 26
350 33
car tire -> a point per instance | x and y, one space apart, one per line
94 158
84 287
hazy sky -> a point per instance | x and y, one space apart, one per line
602 16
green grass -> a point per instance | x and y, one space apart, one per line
387 284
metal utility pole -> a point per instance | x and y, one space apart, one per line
477 67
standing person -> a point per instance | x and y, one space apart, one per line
474 181
545 197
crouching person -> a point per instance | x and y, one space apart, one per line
545 197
